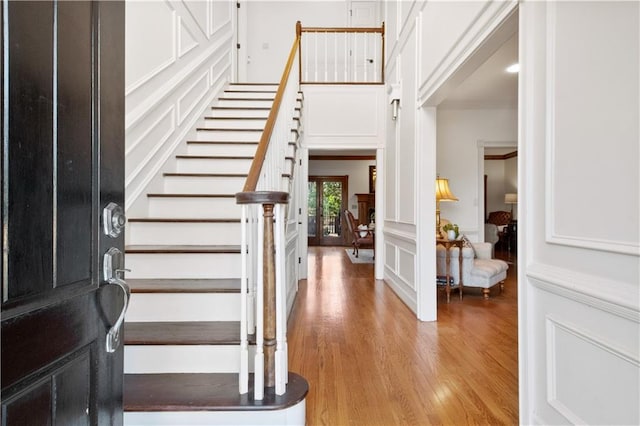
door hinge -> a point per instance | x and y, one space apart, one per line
301 161
238 46
299 260
299 210
238 4
350 12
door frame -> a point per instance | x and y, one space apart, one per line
319 239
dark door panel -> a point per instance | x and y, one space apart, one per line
62 162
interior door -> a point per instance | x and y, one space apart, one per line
365 48
326 202
62 163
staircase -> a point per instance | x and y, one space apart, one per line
182 330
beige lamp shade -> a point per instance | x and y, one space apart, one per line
510 198
443 193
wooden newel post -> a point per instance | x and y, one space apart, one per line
269 313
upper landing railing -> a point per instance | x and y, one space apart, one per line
341 55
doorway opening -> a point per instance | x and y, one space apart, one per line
326 200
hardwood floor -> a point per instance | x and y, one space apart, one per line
369 361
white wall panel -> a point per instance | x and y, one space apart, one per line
337 117
221 15
173 63
150 44
407 267
199 11
574 218
407 141
580 285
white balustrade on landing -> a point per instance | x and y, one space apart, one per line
342 55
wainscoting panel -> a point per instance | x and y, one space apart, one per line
177 60
339 115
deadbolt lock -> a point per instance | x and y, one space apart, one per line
113 220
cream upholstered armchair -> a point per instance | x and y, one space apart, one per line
478 268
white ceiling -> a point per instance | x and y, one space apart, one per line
490 86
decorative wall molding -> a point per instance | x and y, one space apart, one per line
406 237
215 23
402 289
617 298
199 87
156 146
194 16
501 157
186 40
341 157
407 267
485 22
169 113
555 327
552 234
163 65
139 113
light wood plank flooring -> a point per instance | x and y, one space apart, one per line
369 361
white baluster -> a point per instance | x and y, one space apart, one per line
375 57
335 57
326 63
355 56
315 57
346 56
244 346
365 53
251 297
306 58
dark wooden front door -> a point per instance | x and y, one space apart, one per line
62 163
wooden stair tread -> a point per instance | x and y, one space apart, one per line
224 98
184 333
167 249
253 84
181 285
204 391
208 129
180 220
250 91
214 157
223 142
191 195
249 108
206 174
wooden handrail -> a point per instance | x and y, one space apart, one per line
343 30
261 152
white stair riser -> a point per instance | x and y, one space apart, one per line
213 165
257 123
163 307
150 359
203 185
251 87
183 265
262 94
290 416
228 149
221 135
180 233
214 208
256 113
244 104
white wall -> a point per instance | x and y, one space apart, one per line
494 170
457 159
356 170
272 30
178 55
580 277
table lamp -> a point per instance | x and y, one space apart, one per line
443 193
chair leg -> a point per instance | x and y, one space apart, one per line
501 286
354 248
485 293
357 251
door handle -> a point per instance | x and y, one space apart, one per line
112 267
113 336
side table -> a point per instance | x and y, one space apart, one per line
448 244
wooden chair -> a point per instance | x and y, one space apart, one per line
358 240
501 219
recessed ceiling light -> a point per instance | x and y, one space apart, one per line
513 68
